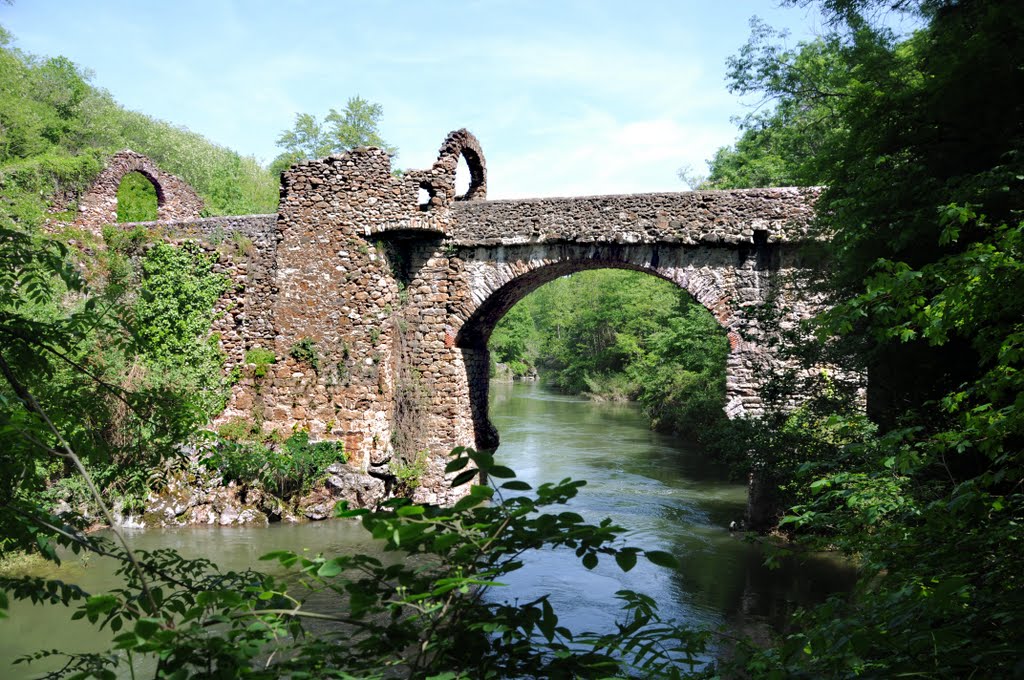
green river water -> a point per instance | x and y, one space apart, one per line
663 489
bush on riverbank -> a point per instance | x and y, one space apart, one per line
287 467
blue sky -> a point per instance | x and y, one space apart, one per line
567 98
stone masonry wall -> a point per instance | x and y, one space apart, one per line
687 218
337 295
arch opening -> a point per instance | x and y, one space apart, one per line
475 332
138 198
607 329
425 196
469 176
462 178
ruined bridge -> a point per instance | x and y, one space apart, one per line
378 293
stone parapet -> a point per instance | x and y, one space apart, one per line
687 218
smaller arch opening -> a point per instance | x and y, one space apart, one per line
462 177
425 196
137 199
469 175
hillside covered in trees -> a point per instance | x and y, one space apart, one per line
57 129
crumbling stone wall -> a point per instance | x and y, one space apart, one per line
337 296
175 199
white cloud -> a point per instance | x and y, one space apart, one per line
604 156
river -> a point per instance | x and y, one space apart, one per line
663 490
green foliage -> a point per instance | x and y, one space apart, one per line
71 357
291 467
309 138
925 176
239 430
408 474
124 240
304 350
508 343
261 359
101 364
782 145
172 318
136 199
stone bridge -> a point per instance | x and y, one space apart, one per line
378 292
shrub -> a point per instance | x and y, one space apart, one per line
408 474
291 467
238 430
305 351
261 358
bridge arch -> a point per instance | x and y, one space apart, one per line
729 282
499 286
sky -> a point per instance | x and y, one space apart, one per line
568 98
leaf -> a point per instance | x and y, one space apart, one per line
662 559
484 460
481 491
355 512
409 510
464 477
443 542
548 621
590 560
456 465
146 628
501 472
516 486
330 568
626 560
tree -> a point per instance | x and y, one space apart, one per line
309 138
798 117
924 168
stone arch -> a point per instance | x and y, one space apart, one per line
499 276
176 200
498 284
462 144
438 181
